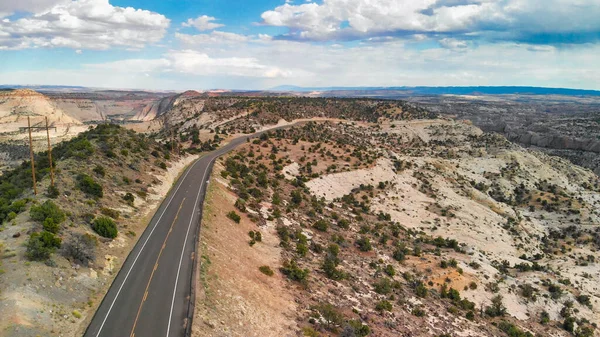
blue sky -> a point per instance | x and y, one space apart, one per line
240 44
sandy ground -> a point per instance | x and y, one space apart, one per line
233 297
339 184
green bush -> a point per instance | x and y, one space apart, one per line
421 290
89 186
41 246
294 273
321 225
329 315
266 270
301 249
79 147
49 214
358 328
50 225
418 312
52 192
234 216
383 286
129 198
497 308
513 330
364 244
99 170
105 227
383 306
240 204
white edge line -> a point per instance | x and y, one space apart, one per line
184 243
144 245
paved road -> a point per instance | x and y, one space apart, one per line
151 294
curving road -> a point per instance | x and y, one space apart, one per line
151 294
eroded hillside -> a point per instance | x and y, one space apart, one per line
403 228
62 248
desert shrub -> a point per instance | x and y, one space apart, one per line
99 170
585 300
364 244
321 225
497 308
266 270
240 204
255 236
310 332
399 254
234 216
113 213
383 286
555 291
79 147
81 248
50 225
294 273
330 315
355 328
105 227
296 197
161 164
49 214
89 186
585 331
569 324
301 249
421 290
513 330
129 198
383 306
343 223
41 246
418 312
52 192
330 268
389 270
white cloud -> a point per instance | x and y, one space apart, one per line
202 23
268 64
214 37
32 6
522 20
453 44
194 63
84 24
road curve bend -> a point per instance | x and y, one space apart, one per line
151 294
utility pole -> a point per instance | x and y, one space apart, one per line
50 155
32 157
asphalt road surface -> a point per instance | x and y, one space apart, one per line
151 294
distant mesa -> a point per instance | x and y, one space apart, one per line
475 90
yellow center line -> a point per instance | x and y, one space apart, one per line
154 269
